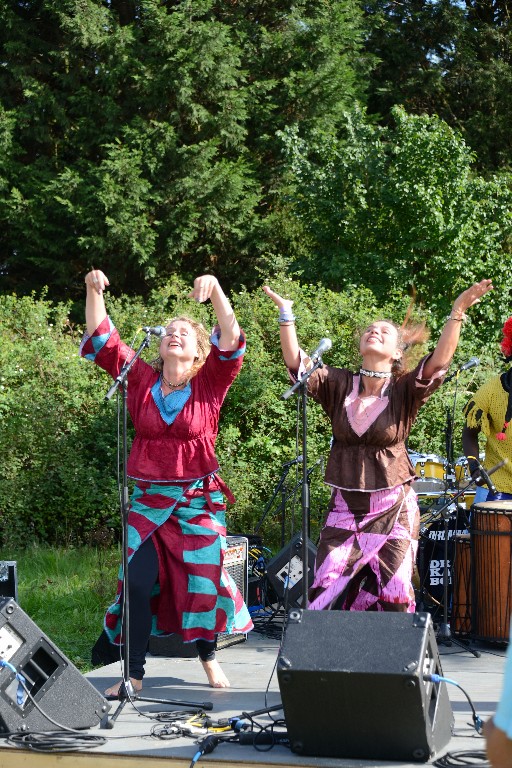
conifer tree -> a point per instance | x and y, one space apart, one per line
142 136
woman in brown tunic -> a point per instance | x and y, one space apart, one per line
368 543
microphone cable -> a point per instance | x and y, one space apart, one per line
56 741
478 723
471 758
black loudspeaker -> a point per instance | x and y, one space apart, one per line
8 579
56 687
285 571
235 563
352 686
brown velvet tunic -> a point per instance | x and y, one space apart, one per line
378 458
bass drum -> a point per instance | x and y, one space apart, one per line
432 565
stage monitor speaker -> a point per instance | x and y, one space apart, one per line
57 689
236 565
352 686
286 570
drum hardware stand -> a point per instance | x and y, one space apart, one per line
444 635
301 385
280 487
282 602
126 691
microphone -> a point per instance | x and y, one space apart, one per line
484 474
294 461
156 330
324 346
471 363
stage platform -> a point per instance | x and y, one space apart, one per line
250 666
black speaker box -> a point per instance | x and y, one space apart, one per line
57 689
285 571
352 686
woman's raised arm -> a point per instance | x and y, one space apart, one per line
449 339
208 287
95 311
288 335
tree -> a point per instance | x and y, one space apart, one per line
449 58
142 135
400 206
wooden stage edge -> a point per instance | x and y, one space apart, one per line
24 759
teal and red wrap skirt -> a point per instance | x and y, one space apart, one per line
194 597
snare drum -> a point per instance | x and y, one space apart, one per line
431 473
491 577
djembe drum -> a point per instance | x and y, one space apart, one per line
491 570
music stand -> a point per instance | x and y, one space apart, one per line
126 691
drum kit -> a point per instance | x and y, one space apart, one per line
466 544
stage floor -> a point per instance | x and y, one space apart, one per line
250 666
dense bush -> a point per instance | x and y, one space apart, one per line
58 437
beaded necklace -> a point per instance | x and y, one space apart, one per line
376 374
173 386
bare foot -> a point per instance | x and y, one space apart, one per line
114 689
215 675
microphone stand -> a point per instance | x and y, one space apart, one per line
286 494
126 691
444 635
301 384
444 632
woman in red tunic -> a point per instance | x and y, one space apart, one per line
176 523
368 543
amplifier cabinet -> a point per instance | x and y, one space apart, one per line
236 565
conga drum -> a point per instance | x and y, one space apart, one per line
491 570
460 619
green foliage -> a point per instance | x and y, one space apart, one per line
65 592
400 206
449 58
54 450
142 136
58 438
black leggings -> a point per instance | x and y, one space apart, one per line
142 576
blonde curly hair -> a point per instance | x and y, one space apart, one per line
203 344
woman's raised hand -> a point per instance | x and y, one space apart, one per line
276 298
203 288
472 295
97 280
